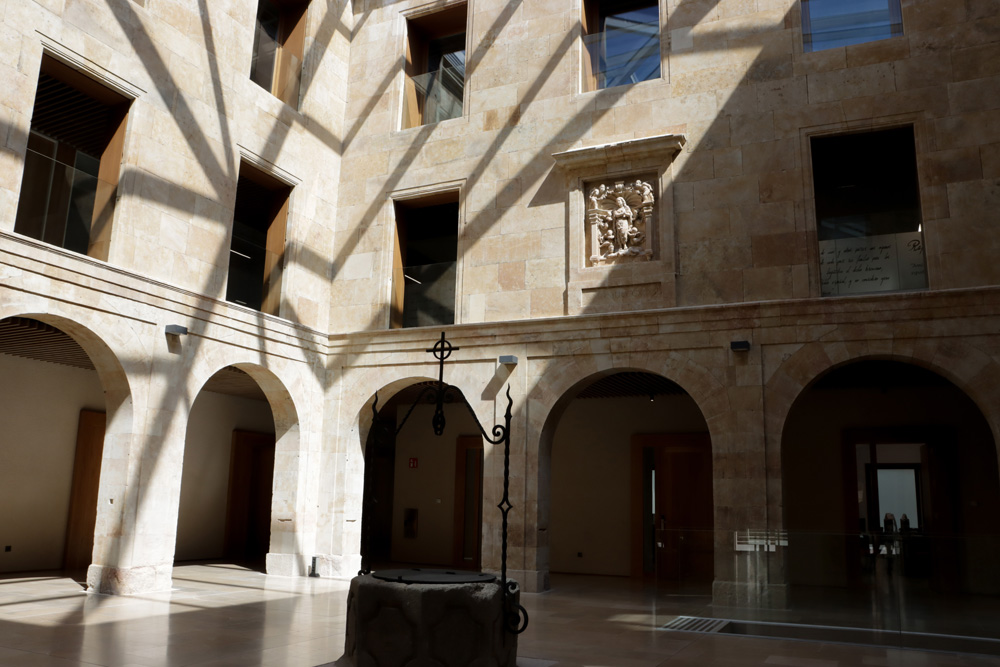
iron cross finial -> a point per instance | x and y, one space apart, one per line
441 351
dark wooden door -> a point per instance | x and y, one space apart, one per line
673 514
468 503
83 497
248 512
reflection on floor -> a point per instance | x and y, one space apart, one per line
226 615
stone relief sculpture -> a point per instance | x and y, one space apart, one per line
618 218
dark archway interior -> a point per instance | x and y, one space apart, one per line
631 482
891 487
53 426
228 474
423 493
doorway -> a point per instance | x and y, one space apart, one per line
672 510
248 510
468 502
51 450
611 434
890 492
228 473
83 493
423 492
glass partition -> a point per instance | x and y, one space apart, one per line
830 23
429 294
627 48
57 200
438 94
888 586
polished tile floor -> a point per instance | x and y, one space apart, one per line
223 615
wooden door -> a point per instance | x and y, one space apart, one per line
248 512
468 529
83 496
672 507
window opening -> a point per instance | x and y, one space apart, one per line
425 263
72 162
278 41
868 218
435 67
258 243
831 23
621 42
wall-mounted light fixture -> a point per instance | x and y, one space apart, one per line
176 330
507 360
739 346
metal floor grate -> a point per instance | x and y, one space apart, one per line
695 624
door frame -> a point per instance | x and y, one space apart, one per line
679 442
464 444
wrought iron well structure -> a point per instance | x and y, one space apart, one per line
515 615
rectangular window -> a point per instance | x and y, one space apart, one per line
621 42
868 217
435 67
257 250
72 164
830 23
278 42
425 261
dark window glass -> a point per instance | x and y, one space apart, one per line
71 133
435 67
626 45
265 44
868 219
830 23
444 84
257 244
429 253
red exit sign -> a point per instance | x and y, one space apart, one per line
413 462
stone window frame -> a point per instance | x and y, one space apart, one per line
398 105
389 241
621 161
286 71
585 69
271 306
103 250
933 199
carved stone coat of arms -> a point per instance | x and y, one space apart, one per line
618 218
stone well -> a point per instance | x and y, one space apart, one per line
428 618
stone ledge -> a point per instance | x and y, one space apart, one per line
633 149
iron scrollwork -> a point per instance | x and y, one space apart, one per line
515 615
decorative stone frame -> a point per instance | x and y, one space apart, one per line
640 284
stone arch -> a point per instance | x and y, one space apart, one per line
279 396
110 370
365 415
552 387
378 467
967 367
970 374
119 405
291 523
552 393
